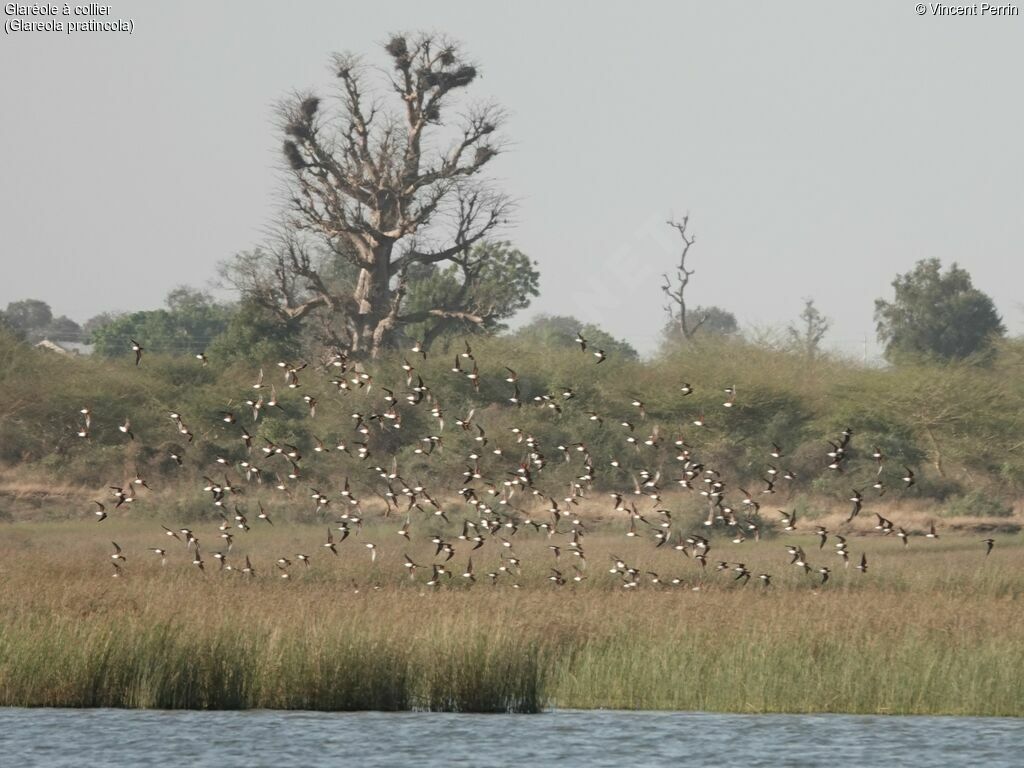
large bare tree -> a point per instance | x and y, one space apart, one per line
384 179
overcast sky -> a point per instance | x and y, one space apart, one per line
820 148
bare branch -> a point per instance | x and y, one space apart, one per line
478 212
447 314
381 182
676 292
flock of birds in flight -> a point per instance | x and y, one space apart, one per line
498 514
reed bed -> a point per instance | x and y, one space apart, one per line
935 628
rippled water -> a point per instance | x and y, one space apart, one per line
55 737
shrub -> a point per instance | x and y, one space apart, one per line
976 504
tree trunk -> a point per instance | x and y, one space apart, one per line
936 452
373 299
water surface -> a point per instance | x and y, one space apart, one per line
61 737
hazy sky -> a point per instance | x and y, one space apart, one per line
820 148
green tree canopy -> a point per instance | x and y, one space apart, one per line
63 328
936 315
28 315
191 321
255 334
33 320
560 331
94 323
7 328
502 281
710 321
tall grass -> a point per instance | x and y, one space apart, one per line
244 659
933 629
817 655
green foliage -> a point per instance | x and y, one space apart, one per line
496 279
8 329
977 504
714 322
956 425
559 332
807 335
254 334
96 322
28 314
190 323
936 315
33 320
63 328
156 328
